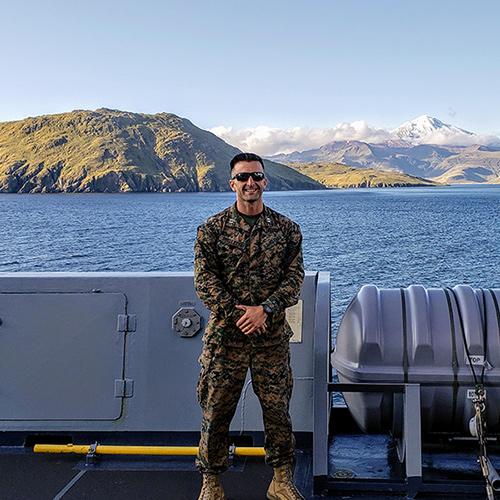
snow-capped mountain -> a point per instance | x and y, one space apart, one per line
425 129
423 147
428 130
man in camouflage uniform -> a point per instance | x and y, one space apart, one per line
248 270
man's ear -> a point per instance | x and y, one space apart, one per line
231 184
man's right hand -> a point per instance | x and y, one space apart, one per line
253 319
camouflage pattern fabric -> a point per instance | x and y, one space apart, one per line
223 372
236 263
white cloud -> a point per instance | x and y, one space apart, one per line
268 141
449 138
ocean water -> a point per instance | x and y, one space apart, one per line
388 237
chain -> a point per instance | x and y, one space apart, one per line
479 401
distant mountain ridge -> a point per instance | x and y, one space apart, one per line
406 154
117 151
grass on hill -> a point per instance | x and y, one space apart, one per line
337 175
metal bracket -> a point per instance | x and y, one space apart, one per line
91 457
232 452
124 388
126 323
411 442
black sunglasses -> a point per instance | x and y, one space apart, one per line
244 176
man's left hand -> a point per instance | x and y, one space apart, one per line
253 320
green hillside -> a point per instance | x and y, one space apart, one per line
117 151
337 175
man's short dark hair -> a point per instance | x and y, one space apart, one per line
246 157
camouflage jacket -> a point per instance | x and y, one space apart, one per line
236 263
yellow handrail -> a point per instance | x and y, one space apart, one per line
102 449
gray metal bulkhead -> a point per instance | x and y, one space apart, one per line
105 351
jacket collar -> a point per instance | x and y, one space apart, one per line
263 221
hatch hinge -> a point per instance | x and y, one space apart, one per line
126 323
124 388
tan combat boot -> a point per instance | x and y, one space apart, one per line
211 489
282 487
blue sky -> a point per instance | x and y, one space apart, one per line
242 64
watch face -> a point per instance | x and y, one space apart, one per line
267 309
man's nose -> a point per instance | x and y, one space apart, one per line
250 181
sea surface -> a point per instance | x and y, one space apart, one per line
389 237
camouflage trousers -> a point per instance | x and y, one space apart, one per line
223 372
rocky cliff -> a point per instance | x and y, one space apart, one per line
115 151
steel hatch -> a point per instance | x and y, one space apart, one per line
60 355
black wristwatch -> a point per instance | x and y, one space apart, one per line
267 308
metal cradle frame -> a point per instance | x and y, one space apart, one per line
409 449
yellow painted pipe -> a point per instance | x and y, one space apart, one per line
249 451
102 449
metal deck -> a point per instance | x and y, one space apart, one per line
29 476
354 458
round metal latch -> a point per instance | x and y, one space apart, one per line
186 322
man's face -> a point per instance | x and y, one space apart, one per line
249 191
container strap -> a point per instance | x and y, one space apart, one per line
405 336
497 308
462 330
454 359
484 324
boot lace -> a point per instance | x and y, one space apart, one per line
290 485
209 483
